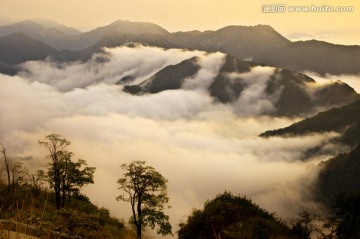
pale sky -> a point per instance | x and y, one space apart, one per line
186 15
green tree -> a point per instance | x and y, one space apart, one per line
75 176
65 176
232 217
146 190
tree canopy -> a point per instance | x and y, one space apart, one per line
228 216
146 190
65 176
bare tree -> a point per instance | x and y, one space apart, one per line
19 174
3 150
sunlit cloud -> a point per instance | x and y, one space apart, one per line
202 147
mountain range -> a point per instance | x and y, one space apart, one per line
290 93
286 92
259 43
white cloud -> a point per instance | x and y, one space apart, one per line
253 100
201 147
139 62
210 65
351 80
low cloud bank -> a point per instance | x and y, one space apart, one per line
201 147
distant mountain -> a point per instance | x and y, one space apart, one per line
259 43
317 56
18 47
52 24
115 34
114 40
291 93
50 33
241 41
120 27
339 175
299 35
66 38
345 120
263 44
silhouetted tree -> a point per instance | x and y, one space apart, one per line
3 150
347 210
65 176
19 174
306 224
145 189
37 180
232 217
56 145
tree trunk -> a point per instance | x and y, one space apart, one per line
7 165
63 192
139 223
57 188
138 231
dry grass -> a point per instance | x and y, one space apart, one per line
5 234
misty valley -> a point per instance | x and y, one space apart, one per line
252 135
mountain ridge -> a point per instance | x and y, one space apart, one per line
259 43
345 120
290 93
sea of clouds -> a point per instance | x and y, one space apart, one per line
202 147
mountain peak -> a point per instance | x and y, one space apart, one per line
129 27
52 24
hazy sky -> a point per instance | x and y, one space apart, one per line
190 14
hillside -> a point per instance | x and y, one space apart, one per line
18 47
345 120
170 78
29 208
8 69
339 175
